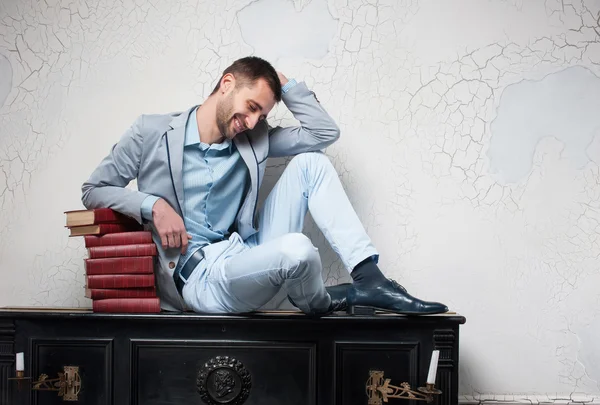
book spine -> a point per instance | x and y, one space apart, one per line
108 215
105 293
148 249
123 238
129 305
120 265
120 281
117 228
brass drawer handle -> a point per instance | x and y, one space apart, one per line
68 383
379 390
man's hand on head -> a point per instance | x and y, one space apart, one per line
170 226
282 78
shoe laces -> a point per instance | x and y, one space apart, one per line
395 284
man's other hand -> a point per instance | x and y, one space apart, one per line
282 78
170 226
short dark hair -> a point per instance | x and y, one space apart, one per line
251 68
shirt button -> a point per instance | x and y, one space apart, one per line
171 265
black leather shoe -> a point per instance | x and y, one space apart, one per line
338 294
389 297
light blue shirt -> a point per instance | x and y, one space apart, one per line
286 87
214 182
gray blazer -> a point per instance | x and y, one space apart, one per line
152 151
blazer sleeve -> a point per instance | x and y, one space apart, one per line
106 185
317 129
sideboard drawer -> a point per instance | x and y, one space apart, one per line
353 361
173 372
92 356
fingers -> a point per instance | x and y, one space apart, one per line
163 240
174 240
282 78
184 242
170 240
171 230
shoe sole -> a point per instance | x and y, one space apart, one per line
368 310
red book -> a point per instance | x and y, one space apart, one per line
102 229
147 249
145 305
120 280
96 216
123 238
105 293
120 265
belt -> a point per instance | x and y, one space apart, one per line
180 277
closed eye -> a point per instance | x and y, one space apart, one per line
253 108
254 105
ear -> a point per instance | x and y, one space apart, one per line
227 83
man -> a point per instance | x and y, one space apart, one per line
198 175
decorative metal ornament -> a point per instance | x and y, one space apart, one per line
379 390
68 383
224 380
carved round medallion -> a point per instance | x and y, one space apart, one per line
224 380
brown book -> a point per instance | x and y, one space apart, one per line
102 229
129 305
120 265
120 280
96 216
105 293
147 249
122 238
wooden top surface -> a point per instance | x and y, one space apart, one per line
66 312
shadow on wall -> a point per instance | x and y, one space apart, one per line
469 364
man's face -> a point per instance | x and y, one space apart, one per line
242 107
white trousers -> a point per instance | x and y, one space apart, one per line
240 276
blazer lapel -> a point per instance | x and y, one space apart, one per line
248 211
243 145
175 139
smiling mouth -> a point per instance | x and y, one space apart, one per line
237 124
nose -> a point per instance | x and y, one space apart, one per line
251 121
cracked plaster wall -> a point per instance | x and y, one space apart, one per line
470 149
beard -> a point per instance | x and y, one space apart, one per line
225 116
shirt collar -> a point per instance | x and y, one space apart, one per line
192 136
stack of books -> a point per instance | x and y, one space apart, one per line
120 265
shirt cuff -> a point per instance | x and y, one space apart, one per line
291 83
147 205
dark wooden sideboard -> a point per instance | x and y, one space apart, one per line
266 358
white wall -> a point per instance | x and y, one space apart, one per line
470 149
